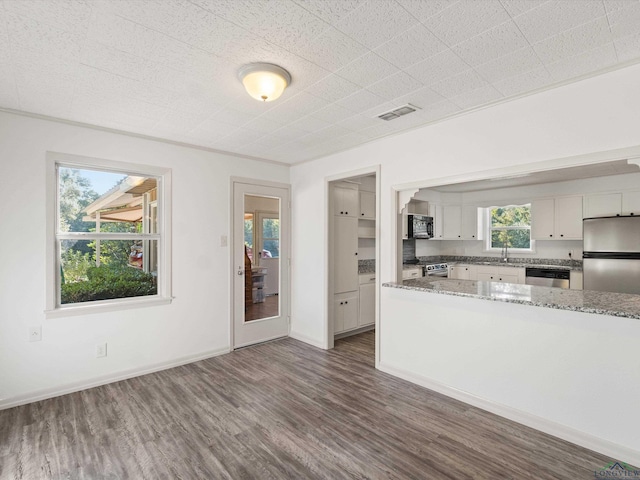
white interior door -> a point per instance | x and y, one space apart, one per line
261 290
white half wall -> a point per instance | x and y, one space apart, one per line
194 326
572 374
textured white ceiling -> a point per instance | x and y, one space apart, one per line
168 68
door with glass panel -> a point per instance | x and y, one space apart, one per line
261 263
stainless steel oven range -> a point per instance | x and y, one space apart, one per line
440 270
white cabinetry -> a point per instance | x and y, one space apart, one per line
435 211
492 273
602 205
345 254
557 218
345 202
575 280
367 302
462 272
470 222
367 206
452 222
611 204
631 203
460 222
345 311
409 273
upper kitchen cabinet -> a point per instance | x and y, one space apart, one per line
557 218
367 206
470 223
435 211
460 222
346 202
611 204
452 222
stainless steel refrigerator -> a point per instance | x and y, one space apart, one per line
611 258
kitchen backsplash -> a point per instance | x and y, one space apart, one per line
366 266
473 259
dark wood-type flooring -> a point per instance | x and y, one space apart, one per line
266 309
277 410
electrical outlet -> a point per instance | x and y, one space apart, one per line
35 333
101 350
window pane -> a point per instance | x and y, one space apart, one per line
511 216
513 238
93 270
248 234
271 248
270 228
92 200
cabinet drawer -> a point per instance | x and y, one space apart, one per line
365 278
412 273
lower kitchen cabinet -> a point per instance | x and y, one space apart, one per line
462 272
491 273
367 304
345 311
575 280
491 277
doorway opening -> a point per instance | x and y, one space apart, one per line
353 252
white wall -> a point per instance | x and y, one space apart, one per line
593 115
195 324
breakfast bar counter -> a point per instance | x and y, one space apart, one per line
603 303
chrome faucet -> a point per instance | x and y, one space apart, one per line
505 251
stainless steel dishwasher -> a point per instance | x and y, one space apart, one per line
547 277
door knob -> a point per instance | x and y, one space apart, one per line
240 271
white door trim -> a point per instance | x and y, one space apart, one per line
328 281
285 262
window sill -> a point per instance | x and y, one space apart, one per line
106 306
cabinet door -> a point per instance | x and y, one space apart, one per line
345 202
411 273
568 218
459 272
367 205
631 203
575 280
435 211
452 222
367 304
511 278
542 219
602 205
470 222
345 312
345 254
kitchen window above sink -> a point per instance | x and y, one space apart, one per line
509 229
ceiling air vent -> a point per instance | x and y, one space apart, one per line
398 112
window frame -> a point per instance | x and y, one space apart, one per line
488 229
54 308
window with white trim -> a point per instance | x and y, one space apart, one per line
109 232
509 226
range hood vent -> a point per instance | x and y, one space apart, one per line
398 112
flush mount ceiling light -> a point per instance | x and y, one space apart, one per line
264 81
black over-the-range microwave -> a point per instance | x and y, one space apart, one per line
419 226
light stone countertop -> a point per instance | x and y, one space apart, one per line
603 303
518 265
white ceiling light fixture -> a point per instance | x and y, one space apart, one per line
264 81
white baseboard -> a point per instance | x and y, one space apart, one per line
306 339
103 380
578 437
